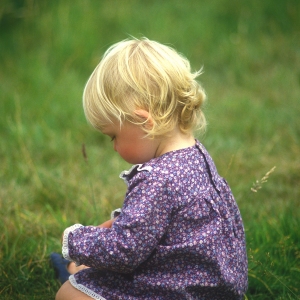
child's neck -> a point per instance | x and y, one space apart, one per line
176 141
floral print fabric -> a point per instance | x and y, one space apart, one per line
179 236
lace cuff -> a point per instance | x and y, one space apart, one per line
115 213
65 246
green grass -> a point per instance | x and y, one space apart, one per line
251 56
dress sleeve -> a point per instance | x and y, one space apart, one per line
133 236
65 248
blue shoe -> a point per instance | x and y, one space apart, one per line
60 265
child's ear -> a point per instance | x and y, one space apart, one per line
145 116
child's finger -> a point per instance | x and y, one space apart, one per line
107 224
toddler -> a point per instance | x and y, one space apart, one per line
179 233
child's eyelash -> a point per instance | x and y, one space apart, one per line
112 139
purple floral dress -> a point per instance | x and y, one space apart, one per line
179 236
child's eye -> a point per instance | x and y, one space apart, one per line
113 138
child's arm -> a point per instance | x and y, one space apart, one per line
133 237
106 224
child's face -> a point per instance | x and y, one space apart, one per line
130 142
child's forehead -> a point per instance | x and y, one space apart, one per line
110 127
106 129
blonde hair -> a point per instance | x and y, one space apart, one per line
143 74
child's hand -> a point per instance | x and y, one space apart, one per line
107 224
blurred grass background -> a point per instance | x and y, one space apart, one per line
250 51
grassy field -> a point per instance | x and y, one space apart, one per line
250 51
